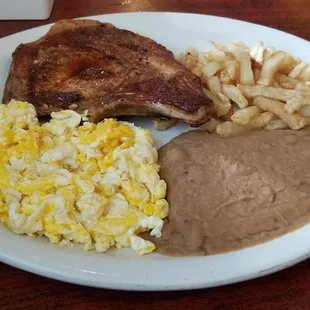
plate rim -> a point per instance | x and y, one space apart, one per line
78 280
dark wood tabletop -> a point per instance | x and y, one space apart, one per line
285 290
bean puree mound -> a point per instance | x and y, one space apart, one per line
227 194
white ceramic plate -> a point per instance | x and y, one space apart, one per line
123 269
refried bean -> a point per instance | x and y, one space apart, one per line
229 193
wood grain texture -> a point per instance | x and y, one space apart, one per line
287 15
286 290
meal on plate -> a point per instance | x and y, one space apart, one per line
85 177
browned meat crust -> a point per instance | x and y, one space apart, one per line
88 65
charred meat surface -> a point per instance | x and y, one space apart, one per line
88 65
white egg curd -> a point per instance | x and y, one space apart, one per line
92 184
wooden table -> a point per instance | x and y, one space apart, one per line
286 290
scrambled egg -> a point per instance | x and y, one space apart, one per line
93 184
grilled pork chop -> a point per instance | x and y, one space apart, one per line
88 65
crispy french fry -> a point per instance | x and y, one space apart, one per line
294 121
270 67
276 84
288 64
229 129
211 68
234 93
305 74
252 91
243 116
190 59
223 97
227 117
210 126
221 107
241 45
305 85
216 55
246 73
221 47
276 124
286 81
261 120
268 52
294 104
257 52
305 111
230 73
297 70
197 71
214 84
202 58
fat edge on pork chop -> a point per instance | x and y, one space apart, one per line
89 65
